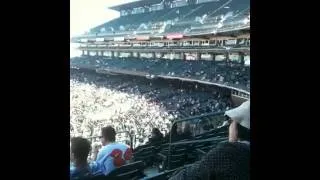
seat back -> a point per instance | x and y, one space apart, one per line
128 171
145 154
161 176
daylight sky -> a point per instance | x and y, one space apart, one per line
85 14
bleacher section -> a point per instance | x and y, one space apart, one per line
209 13
171 155
160 161
233 74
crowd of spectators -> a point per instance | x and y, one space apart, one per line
135 104
231 73
228 160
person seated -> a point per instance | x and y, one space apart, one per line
173 133
156 136
186 132
178 133
79 166
112 155
229 160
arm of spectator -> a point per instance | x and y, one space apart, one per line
94 156
95 153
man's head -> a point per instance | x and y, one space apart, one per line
156 132
80 149
239 118
108 135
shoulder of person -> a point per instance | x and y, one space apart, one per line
232 146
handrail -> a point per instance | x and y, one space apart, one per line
199 141
183 120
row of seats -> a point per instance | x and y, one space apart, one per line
168 156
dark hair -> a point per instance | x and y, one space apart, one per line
80 147
109 133
174 130
243 133
157 132
187 128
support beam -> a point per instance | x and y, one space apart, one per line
227 57
198 56
183 56
213 57
161 55
241 58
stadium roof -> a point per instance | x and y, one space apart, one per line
138 3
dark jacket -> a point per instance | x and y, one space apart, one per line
227 161
155 140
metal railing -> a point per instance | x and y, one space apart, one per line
184 120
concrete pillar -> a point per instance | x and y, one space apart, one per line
214 64
183 56
161 55
131 54
227 57
198 56
138 54
241 58
82 52
112 54
213 57
153 56
102 53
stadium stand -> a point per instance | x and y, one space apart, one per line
190 103
136 94
185 14
167 156
234 74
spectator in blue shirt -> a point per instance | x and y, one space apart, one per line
112 155
80 167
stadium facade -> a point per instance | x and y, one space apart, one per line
190 30
204 43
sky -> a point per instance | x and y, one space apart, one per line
86 14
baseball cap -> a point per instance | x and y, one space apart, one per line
241 114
